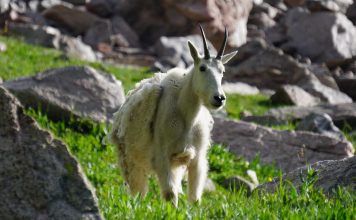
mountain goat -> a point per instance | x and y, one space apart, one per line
164 126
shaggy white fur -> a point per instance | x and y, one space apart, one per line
164 127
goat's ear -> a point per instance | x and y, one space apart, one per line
228 57
193 52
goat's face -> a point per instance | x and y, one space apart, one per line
207 79
208 73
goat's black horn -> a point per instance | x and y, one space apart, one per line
222 48
206 50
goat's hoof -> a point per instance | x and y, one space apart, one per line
169 196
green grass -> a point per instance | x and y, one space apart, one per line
86 141
21 59
98 160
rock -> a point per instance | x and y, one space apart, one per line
1 80
40 179
264 7
174 51
348 85
74 20
235 183
328 175
70 92
103 8
240 88
266 120
323 74
76 2
115 32
287 149
269 68
322 124
341 114
294 3
328 5
153 19
351 13
2 47
261 20
293 95
251 48
321 36
209 186
326 94
75 48
35 34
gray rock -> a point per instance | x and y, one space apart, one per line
39 178
209 186
266 120
261 20
4 6
323 74
269 68
115 32
174 51
340 114
329 175
35 34
70 92
76 2
251 48
75 48
321 36
287 149
235 183
72 19
348 86
325 93
322 124
351 13
293 95
103 8
328 5
240 88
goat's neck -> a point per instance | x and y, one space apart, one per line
189 103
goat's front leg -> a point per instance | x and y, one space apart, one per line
197 174
166 178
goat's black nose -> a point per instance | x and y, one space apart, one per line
219 98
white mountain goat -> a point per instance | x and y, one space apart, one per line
164 126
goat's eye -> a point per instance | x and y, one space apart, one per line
202 68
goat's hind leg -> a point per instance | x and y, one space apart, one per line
137 180
134 176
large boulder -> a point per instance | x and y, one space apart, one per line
293 95
286 149
341 114
73 91
39 178
321 36
328 5
348 86
174 51
322 124
72 19
34 34
115 32
328 175
153 19
270 68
